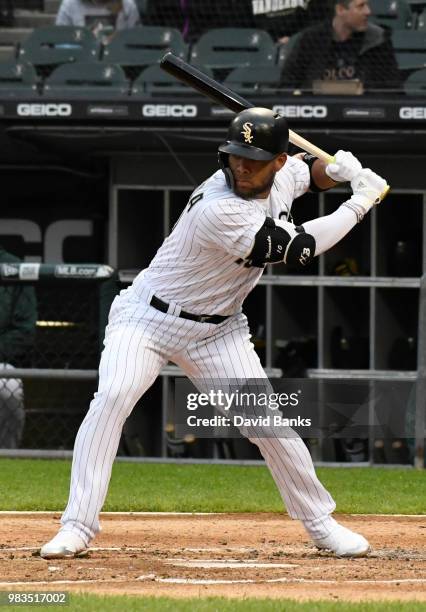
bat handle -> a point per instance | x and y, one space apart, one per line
307 146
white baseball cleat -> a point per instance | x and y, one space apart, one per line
65 544
344 543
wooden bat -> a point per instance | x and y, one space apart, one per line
221 94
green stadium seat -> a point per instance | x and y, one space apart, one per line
421 21
94 80
395 14
283 50
415 84
223 49
254 79
154 80
143 46
50 46
18 79
410 49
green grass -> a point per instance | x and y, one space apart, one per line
43 485
89 603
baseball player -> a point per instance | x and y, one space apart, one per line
186 307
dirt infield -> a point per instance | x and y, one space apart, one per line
232 555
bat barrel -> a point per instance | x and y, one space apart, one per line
203 83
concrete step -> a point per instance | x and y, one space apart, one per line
33 19
51 6
7 53
11 36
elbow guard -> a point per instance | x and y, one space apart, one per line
301 249
281 242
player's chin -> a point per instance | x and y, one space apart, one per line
246 194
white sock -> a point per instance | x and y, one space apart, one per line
320 527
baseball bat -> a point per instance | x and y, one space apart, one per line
221 94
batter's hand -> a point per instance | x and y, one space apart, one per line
369 187
344 167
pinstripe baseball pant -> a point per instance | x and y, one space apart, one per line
139 341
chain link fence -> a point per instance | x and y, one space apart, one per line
52 325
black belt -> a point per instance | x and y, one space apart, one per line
164 307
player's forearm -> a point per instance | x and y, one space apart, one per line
320 177
329 230
368 189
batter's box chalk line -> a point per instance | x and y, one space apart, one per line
194 581
227 564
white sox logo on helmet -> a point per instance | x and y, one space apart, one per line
248 137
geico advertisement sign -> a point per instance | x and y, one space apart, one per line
44 110
304 111
412 112
169 110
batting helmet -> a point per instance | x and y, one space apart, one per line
256 133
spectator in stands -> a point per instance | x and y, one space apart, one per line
347 48
194 17
281 23
101 16
18 315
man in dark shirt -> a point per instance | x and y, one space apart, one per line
348 48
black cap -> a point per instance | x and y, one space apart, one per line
256 133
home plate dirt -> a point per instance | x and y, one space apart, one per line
231 555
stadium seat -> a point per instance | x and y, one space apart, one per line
285 49
50 46
254 79
18 79
154 80
86 80
395 14
143 46
415 84
223 49
410 49
421 21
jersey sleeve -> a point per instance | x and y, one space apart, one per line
299 171
230 225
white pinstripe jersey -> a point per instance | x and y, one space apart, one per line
196 266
